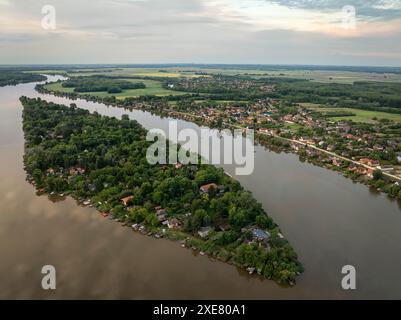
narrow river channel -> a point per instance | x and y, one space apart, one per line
329 220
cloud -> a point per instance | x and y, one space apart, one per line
322 16
139 31
387 9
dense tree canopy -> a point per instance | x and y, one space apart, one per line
103 159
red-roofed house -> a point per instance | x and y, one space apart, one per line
207 187
369 162
126 200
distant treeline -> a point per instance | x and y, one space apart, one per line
256 67
12 78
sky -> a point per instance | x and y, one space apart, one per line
318 32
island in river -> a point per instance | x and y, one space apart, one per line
12 77
101 161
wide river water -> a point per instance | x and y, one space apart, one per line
329 220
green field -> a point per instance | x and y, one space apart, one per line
56 86
124 72
293 126
134 72
360 115
345 77
152 88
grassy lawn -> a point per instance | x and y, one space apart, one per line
293 126
367 116
360 115
56 86
152 88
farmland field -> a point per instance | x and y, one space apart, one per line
360 115
324 76
152 88
345 77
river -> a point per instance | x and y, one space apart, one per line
329 220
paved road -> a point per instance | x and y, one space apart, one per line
391 176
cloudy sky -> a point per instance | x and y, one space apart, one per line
203 31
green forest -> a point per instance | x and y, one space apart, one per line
12 78
100 84
103 160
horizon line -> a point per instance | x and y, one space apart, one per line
200 64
